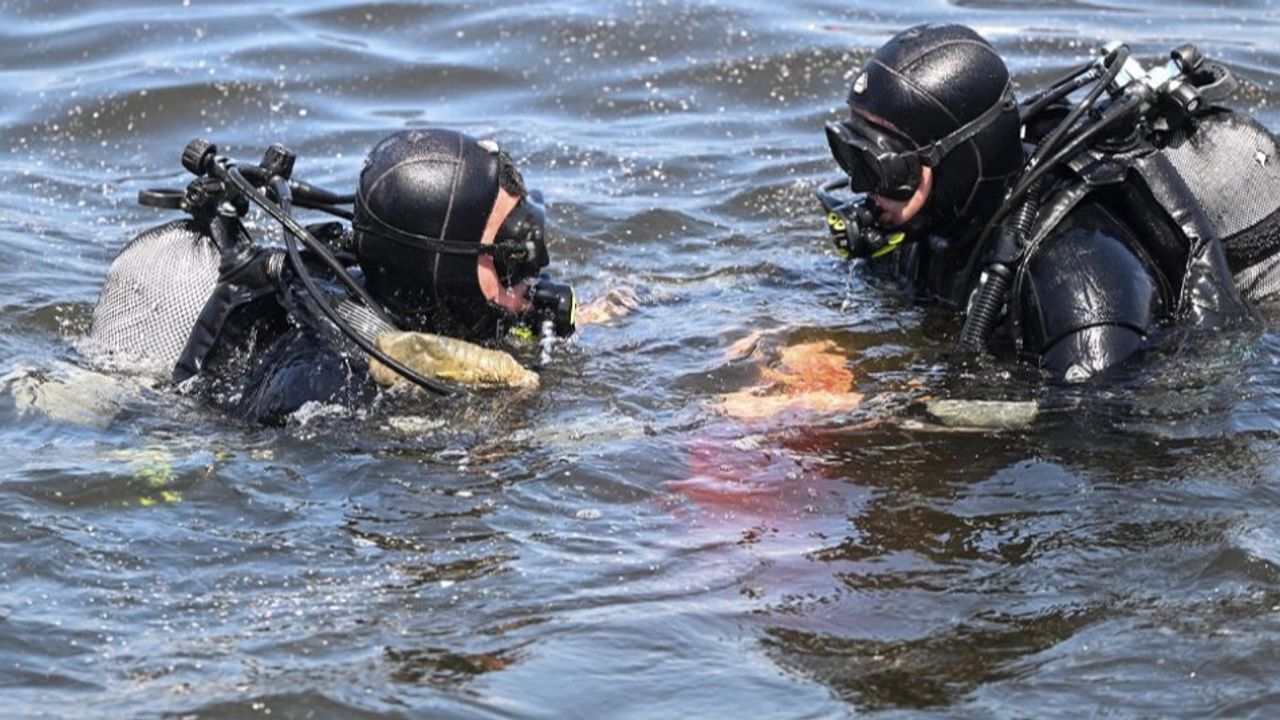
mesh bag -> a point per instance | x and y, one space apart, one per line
1261 280
1231 164
154 291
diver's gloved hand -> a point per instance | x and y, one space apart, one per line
449 359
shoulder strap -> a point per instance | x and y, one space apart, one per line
245 274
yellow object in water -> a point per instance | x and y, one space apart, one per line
153 465
449 359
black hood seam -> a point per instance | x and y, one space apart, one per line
923 93
935 48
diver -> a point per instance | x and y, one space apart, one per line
441 255
1072 227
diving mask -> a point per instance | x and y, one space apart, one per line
879 162
521 241
875 161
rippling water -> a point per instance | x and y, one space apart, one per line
611 546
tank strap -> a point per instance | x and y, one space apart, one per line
1208 291
244 275
1052 211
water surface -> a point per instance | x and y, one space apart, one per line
611 546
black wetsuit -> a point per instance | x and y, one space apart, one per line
296 368
266 363
1131 240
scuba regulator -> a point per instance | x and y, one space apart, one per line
554 305
554 308
853 225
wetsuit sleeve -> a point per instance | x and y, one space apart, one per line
1093 297
298 368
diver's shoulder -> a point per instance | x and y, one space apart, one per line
1089 234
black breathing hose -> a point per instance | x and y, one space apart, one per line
993 287
303 192
1036 166
284 194
295 233
1025 218
1114 113
303 202
984 309
1034 105
1049 144
1065 79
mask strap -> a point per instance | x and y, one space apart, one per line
934 153
445 247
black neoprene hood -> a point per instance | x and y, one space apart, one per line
419 184
927 82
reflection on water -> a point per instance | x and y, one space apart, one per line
615 545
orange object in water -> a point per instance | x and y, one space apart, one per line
809 378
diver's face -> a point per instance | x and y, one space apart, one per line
896 213
513 299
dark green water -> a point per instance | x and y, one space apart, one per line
539 556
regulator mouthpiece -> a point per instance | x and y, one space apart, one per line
555 303
853 224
